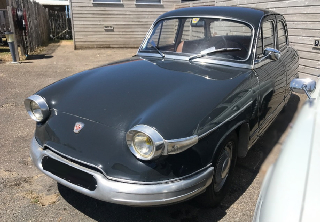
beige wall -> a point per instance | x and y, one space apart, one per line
130 22
196 3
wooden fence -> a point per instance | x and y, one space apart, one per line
30 22
4 21
60 25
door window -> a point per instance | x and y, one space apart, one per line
265 38
268 34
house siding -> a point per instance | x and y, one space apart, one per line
129 20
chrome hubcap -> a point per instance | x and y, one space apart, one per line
223 166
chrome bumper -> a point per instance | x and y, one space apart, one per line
128 193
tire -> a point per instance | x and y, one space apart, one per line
218 189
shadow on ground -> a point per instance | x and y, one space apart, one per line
245 172
39 56
47 54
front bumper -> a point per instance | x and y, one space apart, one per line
133 193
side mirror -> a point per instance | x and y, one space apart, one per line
301 86
271 53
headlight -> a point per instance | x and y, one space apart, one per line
143 145
145 142
37 108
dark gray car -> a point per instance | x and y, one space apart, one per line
169 123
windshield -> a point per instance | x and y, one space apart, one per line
192 36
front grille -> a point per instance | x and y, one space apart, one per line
87 166
68 173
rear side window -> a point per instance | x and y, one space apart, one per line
282 36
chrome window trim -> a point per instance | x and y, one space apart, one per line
230 118
201 16
201 60
124 180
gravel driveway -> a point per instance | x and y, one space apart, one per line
28 195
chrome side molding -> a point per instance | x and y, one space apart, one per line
301 86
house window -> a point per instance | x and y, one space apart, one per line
148 1
107 1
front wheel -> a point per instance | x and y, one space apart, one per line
224 164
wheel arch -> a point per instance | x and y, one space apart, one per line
243 131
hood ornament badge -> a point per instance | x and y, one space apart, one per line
78 126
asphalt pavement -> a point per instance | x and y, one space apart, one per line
28 195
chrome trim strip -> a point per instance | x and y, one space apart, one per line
180 145
201 60
231 117
201 16
124 180
128 193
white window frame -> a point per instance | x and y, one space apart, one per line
107 2
148 3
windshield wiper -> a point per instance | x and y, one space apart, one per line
212 50
155 47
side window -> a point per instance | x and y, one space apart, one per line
282 36
265 38
268 34
164 33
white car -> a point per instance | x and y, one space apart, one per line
291 188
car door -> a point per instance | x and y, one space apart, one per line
289 56
271 75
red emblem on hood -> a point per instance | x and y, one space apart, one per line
78 126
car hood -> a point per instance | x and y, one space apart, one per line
172 96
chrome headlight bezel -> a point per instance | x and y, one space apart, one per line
157 141
43 106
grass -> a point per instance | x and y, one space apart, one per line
5 54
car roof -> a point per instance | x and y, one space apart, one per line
250 15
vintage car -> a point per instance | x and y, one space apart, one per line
290 190
168 123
